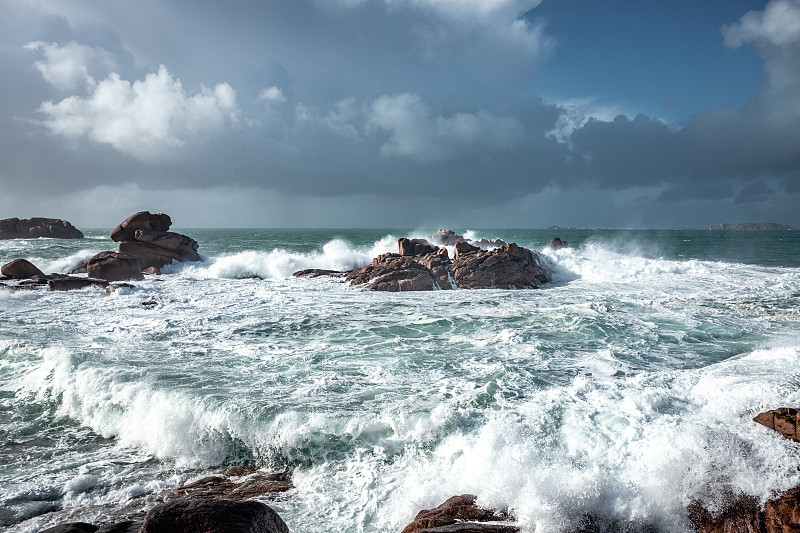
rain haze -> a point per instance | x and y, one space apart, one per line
401 113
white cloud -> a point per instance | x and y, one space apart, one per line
778 24
272 94
415 134
147 118
576 112
70 66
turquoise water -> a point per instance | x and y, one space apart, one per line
623 389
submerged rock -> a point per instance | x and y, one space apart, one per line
318 272
557 244
33 228
215 516
460 514
72 527
20 269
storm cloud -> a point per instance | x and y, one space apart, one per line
388 102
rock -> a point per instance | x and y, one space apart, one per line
115 267
80 268
460 513
415 247
20 269
557 244
70 283
143 220
395 273
149 255
33 228
318 272
72 527
215 516
152 271
507 267
181 245
782 514
232 487
464 247
783 420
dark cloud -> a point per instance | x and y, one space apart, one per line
351 98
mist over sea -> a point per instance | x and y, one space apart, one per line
624 389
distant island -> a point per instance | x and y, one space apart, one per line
752 226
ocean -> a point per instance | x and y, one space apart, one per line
624 389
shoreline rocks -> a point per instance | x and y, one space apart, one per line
34 228
460 514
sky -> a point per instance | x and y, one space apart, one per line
401 113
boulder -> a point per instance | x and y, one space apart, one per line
33 228
507 267
70 283
115 267
128 526
80 268
460 514
149 255
20 269
143 220
181 245
783 420
557 244
396 273
415 247
214 516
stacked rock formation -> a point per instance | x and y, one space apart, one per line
145 245
421 266
33 228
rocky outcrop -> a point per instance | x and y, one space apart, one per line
460 514
421 267
507 267
142 237
318 272
72 527
146 236
215 516
72 283
33 228
20 269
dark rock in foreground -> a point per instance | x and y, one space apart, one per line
33 228
318 272
70 283
460 514
72 527
248 484
216 516
20 269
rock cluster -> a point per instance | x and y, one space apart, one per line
32 228
421 266
145 245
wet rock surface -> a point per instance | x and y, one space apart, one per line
783 420
214 516
20 269
461 514
34 228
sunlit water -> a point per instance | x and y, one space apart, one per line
624 389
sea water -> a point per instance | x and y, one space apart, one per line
624 389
